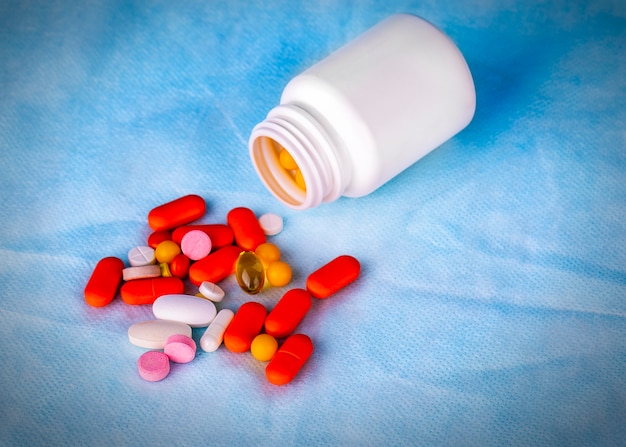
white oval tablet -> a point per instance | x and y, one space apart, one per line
153 334
189 309
141 255
214 334
271 223
211 291
144 271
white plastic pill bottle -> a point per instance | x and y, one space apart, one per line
365 113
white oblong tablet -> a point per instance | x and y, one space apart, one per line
211 291
153 334
271 223
144 271
141 255
214 334
188 309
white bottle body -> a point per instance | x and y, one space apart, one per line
382 102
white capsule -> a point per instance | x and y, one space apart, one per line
214 334
271 223
141 255
211 291
153 334
188 309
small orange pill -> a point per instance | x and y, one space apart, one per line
179 266
333 276
157 237
221 235
104 282
246 228
146 291
289 359
245 325
288 313
279 274
177 212
216 266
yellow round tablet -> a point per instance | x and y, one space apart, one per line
166 251
268 253
263 347
278 273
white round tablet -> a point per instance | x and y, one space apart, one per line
271 223
142 255
211 291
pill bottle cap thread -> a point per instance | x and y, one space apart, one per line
291 127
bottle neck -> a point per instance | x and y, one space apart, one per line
309 143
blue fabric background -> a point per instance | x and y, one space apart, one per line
491 309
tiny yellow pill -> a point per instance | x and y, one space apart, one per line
263 347
299 180
286 160
278 273
165 270
267 253
166 251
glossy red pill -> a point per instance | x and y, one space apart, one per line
104 282
146 291
289 359
245 325
333 276
288 313
216 266
178 212
157 237
179 266
246 228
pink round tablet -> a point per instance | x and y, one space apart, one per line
153 366
196 244
180 348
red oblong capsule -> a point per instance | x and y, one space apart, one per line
157 237
289 359
245 325
104 281
216 266
332 277
178 212
288 313
146 291
179 266
246 228
221 235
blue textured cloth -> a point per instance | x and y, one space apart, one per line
491 309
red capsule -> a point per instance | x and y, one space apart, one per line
289 359
104 282
146 291
288 313
333 276
177 212
179 266
245 325
221 235
216 266
157 237
246 228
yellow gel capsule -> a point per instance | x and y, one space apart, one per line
278 273
166 251
268 253
165 270
263 347
250 272
299 180
286 160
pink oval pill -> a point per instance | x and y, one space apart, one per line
180 348
196 245
153 366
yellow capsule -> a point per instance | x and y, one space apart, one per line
263 347
165 270
286 160
279 274
268 253
250 272
299 180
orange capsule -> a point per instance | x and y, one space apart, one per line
177 212
289 359
245 325
157 237
246 228
221 235
179 266
146 291
104 281
288 313
216 266
333 276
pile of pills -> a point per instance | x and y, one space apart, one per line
206 254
